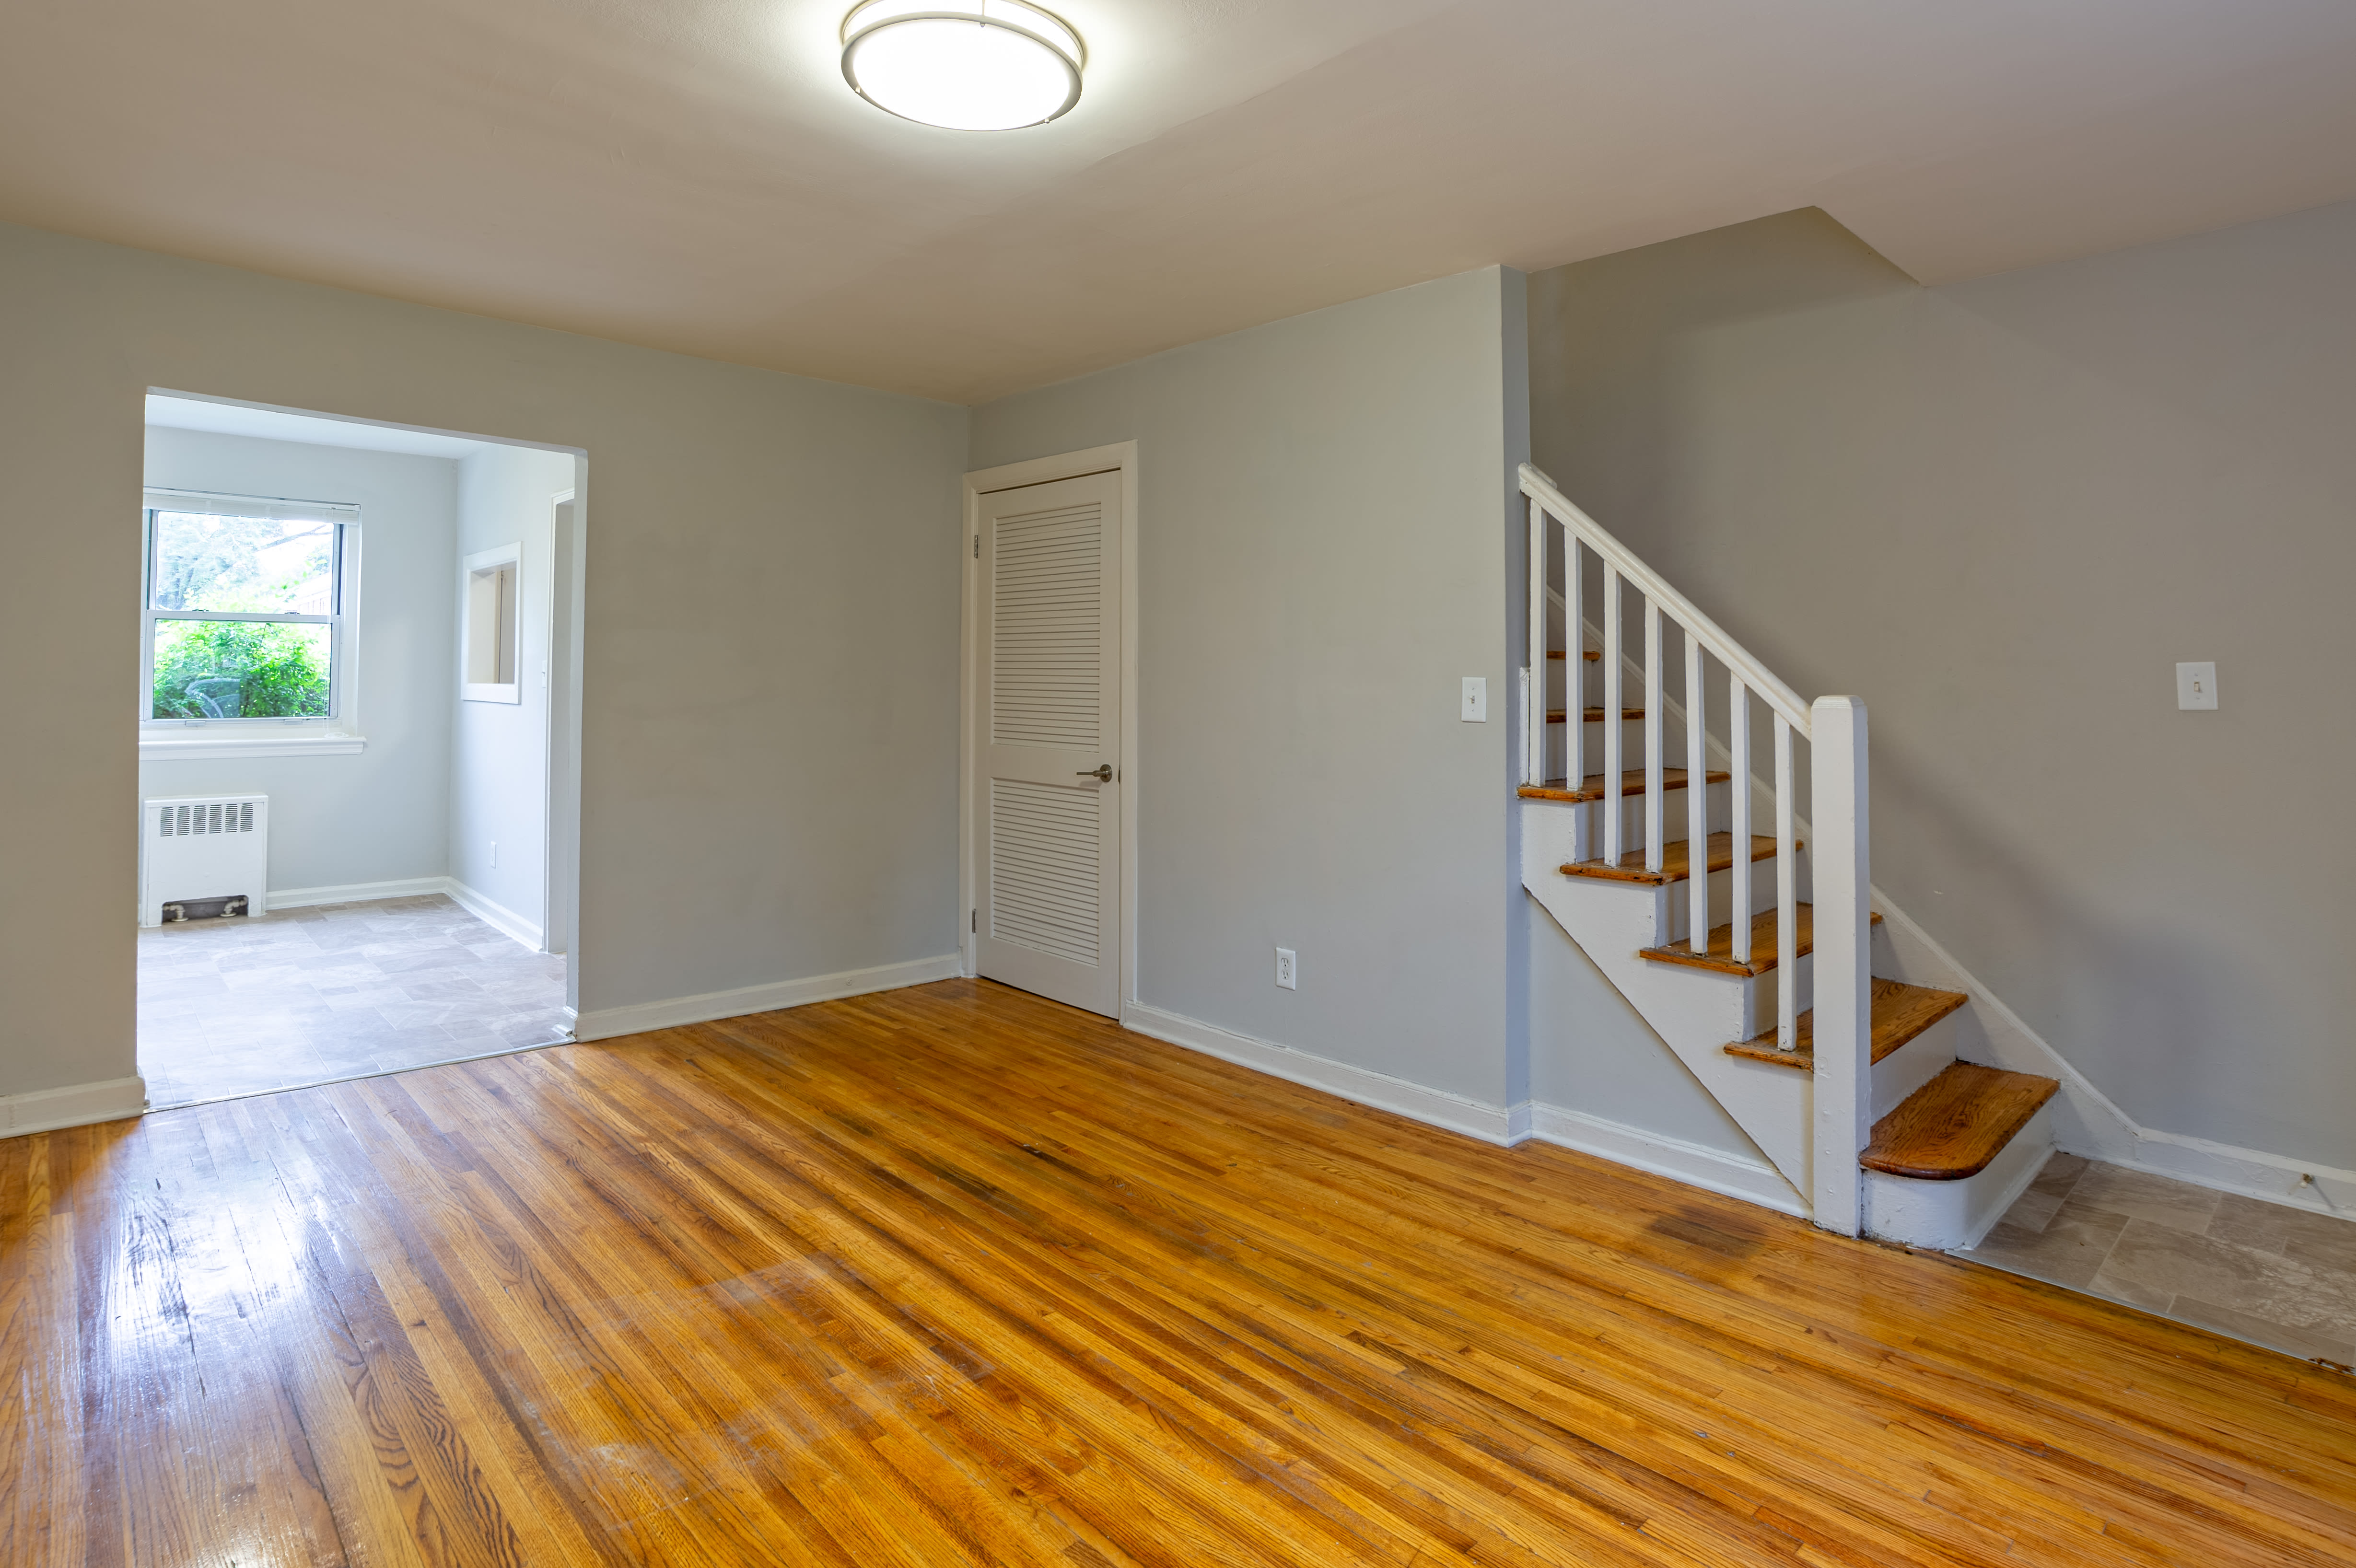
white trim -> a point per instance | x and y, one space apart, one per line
555 936
483 908
356 892
1696 1165
1120 456
490 912
1747 1178
158 748
605 1023
76 1105
1433 1108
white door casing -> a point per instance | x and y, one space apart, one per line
1047 740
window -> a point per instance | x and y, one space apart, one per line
245 613
493 626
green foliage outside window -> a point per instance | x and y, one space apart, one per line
240 669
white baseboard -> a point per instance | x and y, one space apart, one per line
356 892
493 913
1733 1176
2252 1173
605 1023
2089 1123
1696 1165
1436 1107
485 908
77 1104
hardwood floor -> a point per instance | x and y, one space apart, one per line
954 1275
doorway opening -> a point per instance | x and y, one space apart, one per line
358 747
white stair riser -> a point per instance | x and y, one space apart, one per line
1764 990
1677 912
1674 823
1913 1065
1952 1214
1632 747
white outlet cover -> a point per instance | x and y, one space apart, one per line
1476 699
2196 685
1288 969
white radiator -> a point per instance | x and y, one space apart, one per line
196 850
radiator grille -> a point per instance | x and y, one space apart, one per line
209 816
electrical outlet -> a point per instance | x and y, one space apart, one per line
1286 969
2196 685
1476 699
495 854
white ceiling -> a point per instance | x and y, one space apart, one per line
312 430
694 175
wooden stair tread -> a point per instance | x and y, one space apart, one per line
1952 1127
1676 860
1590 655
1632 782
1592 715
1719 952
1900 1013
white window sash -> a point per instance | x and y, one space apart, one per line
341 660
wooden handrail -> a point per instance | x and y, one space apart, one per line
1656 589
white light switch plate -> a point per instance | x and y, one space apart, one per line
1286 969
1476 699
2196 685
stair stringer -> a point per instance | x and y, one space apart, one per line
1695 1011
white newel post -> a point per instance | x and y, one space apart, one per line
1844 962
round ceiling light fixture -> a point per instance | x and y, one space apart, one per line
965 64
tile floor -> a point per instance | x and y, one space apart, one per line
2281 1277
311 996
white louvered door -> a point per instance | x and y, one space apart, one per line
1048 740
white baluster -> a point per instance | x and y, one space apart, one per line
1787 900
1696 805
1655 688
1534 715
1611 806
1574 683
1737 796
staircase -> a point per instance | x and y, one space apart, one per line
1755 960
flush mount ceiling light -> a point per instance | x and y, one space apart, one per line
966 65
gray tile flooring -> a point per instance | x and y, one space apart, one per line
310 996
2281 1277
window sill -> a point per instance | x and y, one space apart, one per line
154 748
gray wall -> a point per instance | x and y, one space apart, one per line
769 719
2001 512
1323 523
380 816
499 751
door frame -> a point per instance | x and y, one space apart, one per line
1120 457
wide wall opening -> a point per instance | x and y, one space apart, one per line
358 656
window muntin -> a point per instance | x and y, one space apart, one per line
245 609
